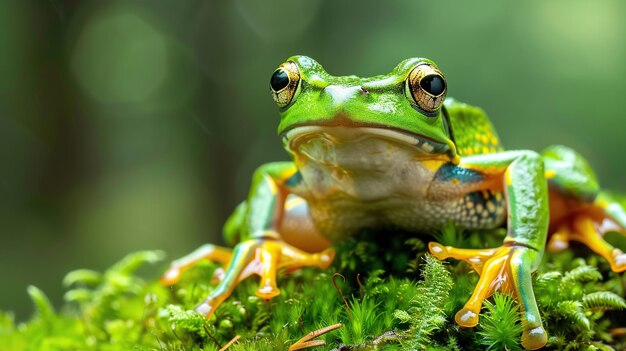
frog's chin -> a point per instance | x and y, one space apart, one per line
423 146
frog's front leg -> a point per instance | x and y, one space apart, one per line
508 268
261 250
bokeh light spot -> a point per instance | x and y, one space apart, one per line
120 58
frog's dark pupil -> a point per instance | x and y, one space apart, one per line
433 84
280 79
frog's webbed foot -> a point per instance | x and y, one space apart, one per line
590 232
506 269
262 257
205 252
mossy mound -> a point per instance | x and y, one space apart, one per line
387 296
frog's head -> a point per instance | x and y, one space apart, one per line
404 106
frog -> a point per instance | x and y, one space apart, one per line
393 151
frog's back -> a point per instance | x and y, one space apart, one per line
472 130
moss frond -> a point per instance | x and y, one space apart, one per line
426 314
133 261
85 277
187 320
603 301
573 311
363 323
500 327
43 308
580 275
449 235
548 279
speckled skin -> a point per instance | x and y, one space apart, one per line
385 152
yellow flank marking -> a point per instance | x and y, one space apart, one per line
287 173
493 139
470 204
549 174
498 196
455 181
485 150
490 206
456 160
479 208
432 165
476 149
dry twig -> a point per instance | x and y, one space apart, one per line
341 292
305 342
231 342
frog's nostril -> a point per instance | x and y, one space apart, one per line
365 91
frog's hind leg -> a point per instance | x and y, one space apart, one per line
205 252
589 225
591 233
263 257
613 211
579 209
209 252
475 257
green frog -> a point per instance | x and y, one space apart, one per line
391 151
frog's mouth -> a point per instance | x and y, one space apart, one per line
337 134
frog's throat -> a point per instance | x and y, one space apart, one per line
296 135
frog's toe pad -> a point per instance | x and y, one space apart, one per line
267 292
619 263
326 257
171 276
466 318
439 251
558 242
206 308
218 275
534 338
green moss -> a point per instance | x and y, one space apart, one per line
500 327
396 298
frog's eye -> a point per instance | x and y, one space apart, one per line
426 87
285 84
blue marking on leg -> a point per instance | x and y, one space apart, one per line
450 171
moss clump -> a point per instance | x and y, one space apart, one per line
406 300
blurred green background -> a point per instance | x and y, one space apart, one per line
128 125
